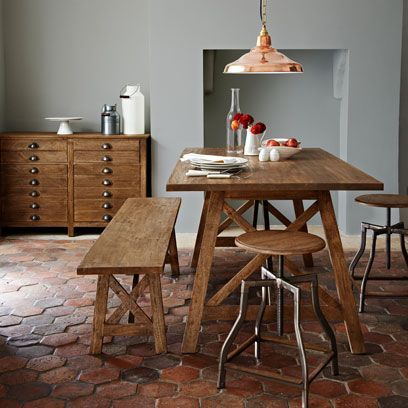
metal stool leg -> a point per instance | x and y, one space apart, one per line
255 217
258 323
233 334
325 324
360 252
269 262
367 272
302 353
388 239
279 298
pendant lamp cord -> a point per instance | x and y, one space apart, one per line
262 12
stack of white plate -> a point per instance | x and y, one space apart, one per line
233 163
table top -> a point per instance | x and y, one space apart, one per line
311 169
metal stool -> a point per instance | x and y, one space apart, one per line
387 201
279 243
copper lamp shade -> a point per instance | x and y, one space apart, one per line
263 59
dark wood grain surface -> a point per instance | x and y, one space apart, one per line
312 169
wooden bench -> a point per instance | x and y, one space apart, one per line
139 240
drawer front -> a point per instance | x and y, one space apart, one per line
98 204
36 191
34 170
108 157
13 183
33 144
105 192
94 214
34 157
108 169
16 211
104 145
117 178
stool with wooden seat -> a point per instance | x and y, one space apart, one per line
387 201
280 243
139 240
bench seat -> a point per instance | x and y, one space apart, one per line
139 240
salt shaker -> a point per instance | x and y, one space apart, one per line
264 155
274 155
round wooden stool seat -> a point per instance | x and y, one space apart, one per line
280 242
384 200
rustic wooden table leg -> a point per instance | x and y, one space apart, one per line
173 254
199 239
209 238
342 278
101 304
159 327
299 210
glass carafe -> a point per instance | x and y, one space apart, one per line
234 137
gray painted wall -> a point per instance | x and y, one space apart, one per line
70 57
108 44
301 106
403 146
369 29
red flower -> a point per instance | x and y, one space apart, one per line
258 128
237 116
246 120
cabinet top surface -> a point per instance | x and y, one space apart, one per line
84 135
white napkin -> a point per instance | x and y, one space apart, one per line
208 158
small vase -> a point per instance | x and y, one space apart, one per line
252 143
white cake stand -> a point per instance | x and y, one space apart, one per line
64 128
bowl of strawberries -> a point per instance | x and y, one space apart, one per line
286 147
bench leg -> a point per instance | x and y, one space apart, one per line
159 328
101 304
131 318
173 255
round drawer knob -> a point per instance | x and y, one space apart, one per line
34 206
106 217
107 170
34 158
34 193
106 206
34 170
107 182
33 146
106 158
35 218
106 146
107 194
34 182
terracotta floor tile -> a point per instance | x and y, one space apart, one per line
157 389
59 375
199 388
11 363
116 390
69 390
369 387
179 374
99 375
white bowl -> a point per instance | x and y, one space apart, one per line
285 152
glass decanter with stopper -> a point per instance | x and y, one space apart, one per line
234 137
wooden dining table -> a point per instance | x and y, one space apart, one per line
310 175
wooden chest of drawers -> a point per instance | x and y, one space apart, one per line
71 181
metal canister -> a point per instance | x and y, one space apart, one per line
110 120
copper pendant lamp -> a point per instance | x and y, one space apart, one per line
263 59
